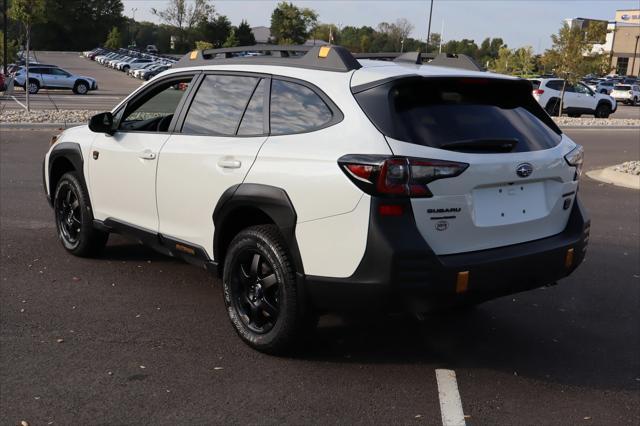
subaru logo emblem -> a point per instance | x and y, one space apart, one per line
524 170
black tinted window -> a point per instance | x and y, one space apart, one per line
555 84
462 114
296 108
218 105
253 119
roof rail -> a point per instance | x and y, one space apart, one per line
450 60
327 58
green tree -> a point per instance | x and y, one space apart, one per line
567 54
291 24
245 34
12 49
524 61
232 40
203 45
28 13
114 39
185 17
326 32
504 62
215 30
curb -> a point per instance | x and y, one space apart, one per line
628 127
613 177
24 126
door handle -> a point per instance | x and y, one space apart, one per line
147 154
229 164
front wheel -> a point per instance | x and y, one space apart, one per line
81 88
74 218
603 111
260 291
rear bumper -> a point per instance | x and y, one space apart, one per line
400 270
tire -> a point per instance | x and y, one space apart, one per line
81 88
635 101
553 107
603 110
261 294
33 87
74 218
125 68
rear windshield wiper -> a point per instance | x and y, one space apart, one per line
485 145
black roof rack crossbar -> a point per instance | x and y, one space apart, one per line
326 58
450 60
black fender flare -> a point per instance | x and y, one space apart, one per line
70 151
272 201
605 101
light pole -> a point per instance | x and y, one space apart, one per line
133 18
635 53
429 29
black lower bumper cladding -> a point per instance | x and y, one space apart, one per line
399 267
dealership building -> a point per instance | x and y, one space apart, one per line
623 43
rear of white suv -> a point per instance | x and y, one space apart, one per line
329 185
626 93
578 99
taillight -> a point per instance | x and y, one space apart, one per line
397 176
538 92
575 158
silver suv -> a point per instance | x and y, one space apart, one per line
54 77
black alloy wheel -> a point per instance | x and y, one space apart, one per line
255 291
68 215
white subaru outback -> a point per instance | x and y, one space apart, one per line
313 182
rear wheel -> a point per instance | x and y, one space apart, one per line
635 100
74 218
603 110
553 107
33 87
260 291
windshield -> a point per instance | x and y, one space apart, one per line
460 112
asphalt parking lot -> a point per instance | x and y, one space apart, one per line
113 86
133 337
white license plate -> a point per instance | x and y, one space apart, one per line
507 204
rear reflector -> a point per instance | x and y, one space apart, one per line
568 259
538 92
462 283
390 210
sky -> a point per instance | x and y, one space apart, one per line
518 22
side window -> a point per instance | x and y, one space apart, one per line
219 104
581 88
296 108
154 110
555 84
253 118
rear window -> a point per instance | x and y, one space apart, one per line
461 114
621 87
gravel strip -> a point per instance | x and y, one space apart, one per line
589 122
630 167
46 116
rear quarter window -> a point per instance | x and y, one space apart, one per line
296 109
462 114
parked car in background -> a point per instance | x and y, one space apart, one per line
626 93
605 86
134 63
578 99
152 49
53 77
149 74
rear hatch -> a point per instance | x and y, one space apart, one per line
515 179
621 91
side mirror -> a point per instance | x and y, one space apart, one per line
102 123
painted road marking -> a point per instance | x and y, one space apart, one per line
450 403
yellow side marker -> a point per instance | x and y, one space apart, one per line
194 55
185 249
324 52
568 259
462 283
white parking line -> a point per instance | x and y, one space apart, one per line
450 403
